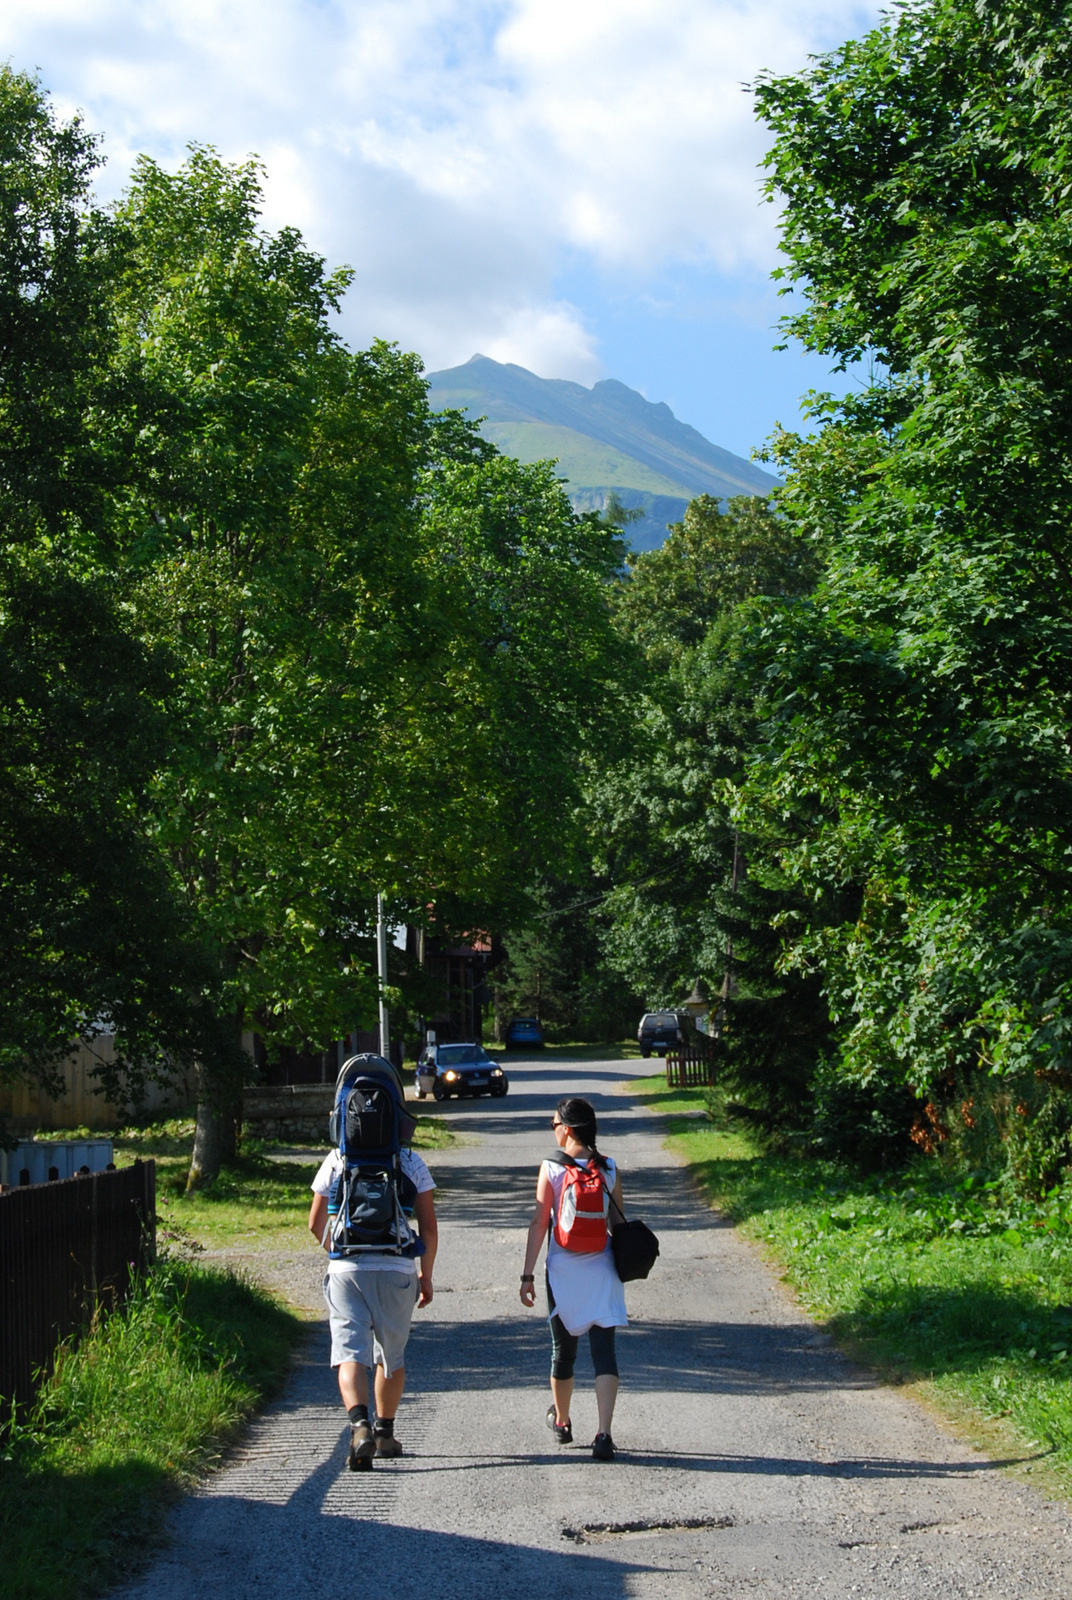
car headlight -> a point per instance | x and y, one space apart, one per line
450 1077
496 1072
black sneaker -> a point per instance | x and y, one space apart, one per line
563 1434
602 1447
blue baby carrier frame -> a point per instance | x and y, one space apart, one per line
371 1200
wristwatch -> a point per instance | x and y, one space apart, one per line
528 1277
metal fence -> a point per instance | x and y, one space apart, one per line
67 1248
687 1069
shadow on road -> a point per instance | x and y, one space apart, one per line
668 1356
308 1541
331 1531
663 1196
864 1467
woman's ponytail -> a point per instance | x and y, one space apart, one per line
579 1117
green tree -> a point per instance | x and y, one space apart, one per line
554 966
694 892
57 257
526 680
532 675
92 936
709 562
93 939
925 695
271 551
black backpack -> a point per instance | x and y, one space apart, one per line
371 1199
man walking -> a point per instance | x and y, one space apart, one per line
371 1298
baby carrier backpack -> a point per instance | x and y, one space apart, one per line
371 1200
581 1218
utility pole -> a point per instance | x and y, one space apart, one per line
381 961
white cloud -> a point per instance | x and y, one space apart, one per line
451 150
550 340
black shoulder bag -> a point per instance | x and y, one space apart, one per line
634 1245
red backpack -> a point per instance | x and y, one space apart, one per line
581 1215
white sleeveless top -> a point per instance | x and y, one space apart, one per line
585 1287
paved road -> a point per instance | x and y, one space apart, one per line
753 1460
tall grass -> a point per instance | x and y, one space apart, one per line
134 1410
945 1281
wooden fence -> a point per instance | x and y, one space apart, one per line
686 1069
26 1106
65 1249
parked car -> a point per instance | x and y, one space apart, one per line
661 1031
524 1032
446 1069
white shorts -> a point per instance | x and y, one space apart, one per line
370 1315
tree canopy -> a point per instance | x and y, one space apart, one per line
328 644
887 729
92 932
926 692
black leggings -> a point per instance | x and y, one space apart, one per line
564 1346
564 1350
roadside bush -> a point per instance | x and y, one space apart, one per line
869 1124
1016 1130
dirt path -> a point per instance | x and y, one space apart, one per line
752 1458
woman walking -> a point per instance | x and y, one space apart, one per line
584 1292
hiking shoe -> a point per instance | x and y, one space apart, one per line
602 1447
362 1446
387 1445
563 1434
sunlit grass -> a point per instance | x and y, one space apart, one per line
254 1204
940 1282
134 1411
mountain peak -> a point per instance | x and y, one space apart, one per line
607 439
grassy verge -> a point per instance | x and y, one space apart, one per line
133 1412
944 1284
144 1401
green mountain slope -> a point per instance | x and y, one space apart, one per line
607 438
583 460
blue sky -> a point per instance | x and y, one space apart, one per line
569 184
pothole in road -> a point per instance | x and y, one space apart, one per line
600 1532
873 1544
